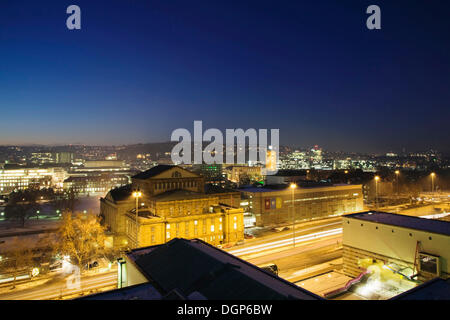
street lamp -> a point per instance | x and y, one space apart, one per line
397 172
377 178
432 181
293 186
137 194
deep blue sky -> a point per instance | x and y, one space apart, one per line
139 69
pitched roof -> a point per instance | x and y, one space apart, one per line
153 171
430 225
121 193
178 194
193 267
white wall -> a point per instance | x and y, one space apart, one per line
398 244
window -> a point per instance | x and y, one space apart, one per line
235 226
176 174
168 235
212 228
168 226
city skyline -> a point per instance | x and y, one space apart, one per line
134 73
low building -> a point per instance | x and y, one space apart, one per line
99 183
22 178
272 204
240 173
194 270
415 247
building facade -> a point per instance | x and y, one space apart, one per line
409 244
172 203
272 205
24 178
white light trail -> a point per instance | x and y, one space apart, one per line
286 242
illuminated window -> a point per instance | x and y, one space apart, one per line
168 235
235 226
168 226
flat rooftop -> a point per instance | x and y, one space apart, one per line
436 289
301 186
399 220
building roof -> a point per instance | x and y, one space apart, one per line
121 193
435 226
153 171
143 291
436 289
302 185
193 268
178 194
290 173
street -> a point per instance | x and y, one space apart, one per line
57 288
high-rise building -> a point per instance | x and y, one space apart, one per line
63 157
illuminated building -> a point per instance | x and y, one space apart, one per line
24 178
236 173
271 160
98 183
104 164
409 245
172 202
42 157
316 155
272 204
63 157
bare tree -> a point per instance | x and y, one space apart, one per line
81 237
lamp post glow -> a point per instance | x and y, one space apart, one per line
137 194
377 178
432 181
293 186
397 172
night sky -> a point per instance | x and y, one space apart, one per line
139 69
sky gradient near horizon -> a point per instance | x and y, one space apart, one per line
139 69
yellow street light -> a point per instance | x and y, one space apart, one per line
432 181
377 178
137 194
397 172
293 186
